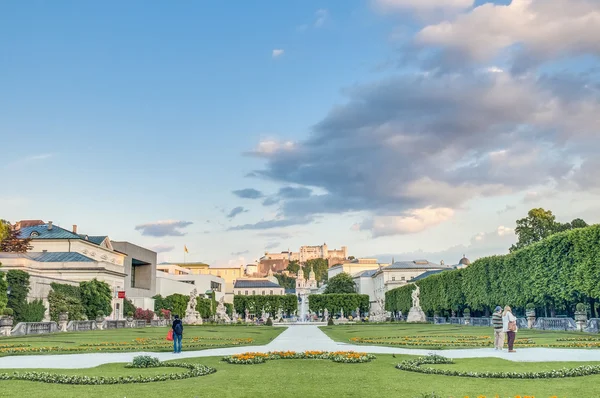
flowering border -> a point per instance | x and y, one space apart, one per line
251 358
194 370
414 365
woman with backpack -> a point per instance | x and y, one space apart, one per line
177 334
509 325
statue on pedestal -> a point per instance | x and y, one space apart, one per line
325 315
192 317
416 314
222 311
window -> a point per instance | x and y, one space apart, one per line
393 278
271 293
215 286
246 292
263 292
254 292
133 268
403 278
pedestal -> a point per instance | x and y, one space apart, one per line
530 322
581 325
5 330
192 318
62 326
416 314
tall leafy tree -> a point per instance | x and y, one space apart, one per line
96 296
319 266
293 266
341 283
18 282
4 229
286 282
3 287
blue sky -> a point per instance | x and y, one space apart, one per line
115 116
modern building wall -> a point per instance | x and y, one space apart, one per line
140 270
167 284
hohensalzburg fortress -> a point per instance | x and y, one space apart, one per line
308 253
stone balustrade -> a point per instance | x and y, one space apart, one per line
27 328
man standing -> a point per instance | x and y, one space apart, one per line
177 334
498 332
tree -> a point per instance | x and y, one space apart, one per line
293 266
351 258
96 296
12 242
4 229
33 312
540 224
286 282
341 283
18 283
319 266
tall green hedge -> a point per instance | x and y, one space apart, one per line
554 274
335 302
3 287
255 303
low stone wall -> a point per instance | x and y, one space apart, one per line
81 326
27 328
112 324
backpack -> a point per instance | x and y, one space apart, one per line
178 329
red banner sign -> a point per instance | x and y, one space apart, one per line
121 294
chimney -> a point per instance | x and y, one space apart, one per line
49 225
74 228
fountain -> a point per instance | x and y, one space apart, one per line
302 299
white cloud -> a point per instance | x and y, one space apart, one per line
321 17
30 159
277 53
270 147
422 5
545 29
163 228
412 222
502 231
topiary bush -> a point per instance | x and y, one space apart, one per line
100 314
145 361
269 322
8 312
580 307
330 322
530 306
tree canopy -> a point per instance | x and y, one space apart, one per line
319 266
10 240
341 283
96 296
540 224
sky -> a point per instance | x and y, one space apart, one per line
398 128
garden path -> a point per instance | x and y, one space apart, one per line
295 338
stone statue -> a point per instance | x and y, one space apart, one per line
279 314
222 311
416 314
358 313
415 297
325 315
342 312
247 313
192 317
234 316
264 315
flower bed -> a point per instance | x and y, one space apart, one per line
438 341
414 365
194 370
249 358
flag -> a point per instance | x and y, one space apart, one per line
185 249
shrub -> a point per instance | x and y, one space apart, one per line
100 314
19 288
130 314
165 313
96 296
8 312
330 322
580 307
128 306
146 315
269 322
530 306
145 361
63 309
33 312
467 312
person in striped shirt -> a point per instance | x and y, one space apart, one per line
498 329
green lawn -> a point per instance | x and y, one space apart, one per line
318 378
146 339
449 336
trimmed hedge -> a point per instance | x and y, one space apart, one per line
555 274
255 303
334 303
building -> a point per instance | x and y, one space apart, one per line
259 286
464 262
228 274
63 256
375 282
310 252
355 266
140 274
173 279
306 286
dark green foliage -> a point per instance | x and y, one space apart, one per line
287 303
555 273
145 361
96 296
269 322
229 309
341 283
8 312
128 307
3 287
293 266
330 322
33 311
177 303
580 307
18 281
319 266
286 282
334 303
205 307
65 296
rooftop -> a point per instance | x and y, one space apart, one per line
416 264
426 274
45 257
254 283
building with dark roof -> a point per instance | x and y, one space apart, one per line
258 286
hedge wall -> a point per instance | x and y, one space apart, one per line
335 302
255 303
554 274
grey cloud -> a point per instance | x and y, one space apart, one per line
248 193
240 253
235 211
294 192
163 228
162 248
272 245
507 209
271 200
280 223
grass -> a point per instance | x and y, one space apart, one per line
212 336
343 333
319 378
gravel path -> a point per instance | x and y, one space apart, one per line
295 338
